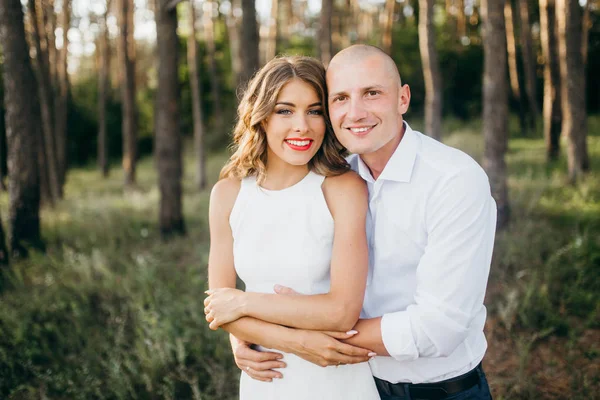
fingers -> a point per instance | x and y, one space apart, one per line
265 376
353 351
247 354
340 335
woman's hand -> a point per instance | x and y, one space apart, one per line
223 306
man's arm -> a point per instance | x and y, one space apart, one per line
451 276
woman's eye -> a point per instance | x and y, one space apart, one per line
283 111
316 112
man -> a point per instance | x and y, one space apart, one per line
431 230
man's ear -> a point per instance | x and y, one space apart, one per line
403 99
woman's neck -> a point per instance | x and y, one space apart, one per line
281 175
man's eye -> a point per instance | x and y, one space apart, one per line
339 98
372 92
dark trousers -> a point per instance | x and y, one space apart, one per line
481 391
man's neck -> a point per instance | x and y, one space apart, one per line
377 160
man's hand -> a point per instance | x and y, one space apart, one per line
257 364
325 348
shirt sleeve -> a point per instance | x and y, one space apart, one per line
452 274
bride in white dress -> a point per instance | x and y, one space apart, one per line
288 211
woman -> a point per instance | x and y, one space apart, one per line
288 211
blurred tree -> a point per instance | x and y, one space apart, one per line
529 63
103 89
572 82
249 41
495 104
386 41
552 109
62 94
209 40
431 70
271 45
586 25
126 50
50 31
288 21
3 250
233 32
23 131
193 65
167 136
325 44
461 19
48 161
513 71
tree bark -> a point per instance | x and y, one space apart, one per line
196 89
167 137
388 26
49 160
528 61
513 71
461 19
586 25
103 88
62 96
127 81
431 70
233 33
495 104
271 48
249 41
4 258
552 105
23 131
50 22
572 81
325 42
209 38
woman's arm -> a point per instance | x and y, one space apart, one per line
338 310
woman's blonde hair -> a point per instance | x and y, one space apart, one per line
249 137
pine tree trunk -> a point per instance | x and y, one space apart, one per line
552 104
62 96
586 25
528 62
325 42
50 20
194 69
495 104
209 38
46 101
271 48
103 88
461 19
233 33
4 258
249 41
23 131
167 137
513 71
431 70
572 81
388 26
127 82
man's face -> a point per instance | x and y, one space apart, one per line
366 103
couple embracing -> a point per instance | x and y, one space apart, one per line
365 276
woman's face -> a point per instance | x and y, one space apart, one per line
296 128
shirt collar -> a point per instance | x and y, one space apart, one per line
400 166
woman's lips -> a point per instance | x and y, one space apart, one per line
299 144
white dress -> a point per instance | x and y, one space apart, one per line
285 237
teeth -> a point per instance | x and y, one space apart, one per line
359 130
300 143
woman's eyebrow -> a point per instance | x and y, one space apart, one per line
285 103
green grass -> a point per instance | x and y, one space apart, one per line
113 312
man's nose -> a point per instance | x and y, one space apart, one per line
356 110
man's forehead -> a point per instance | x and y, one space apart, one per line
360 74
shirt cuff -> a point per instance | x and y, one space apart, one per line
397 337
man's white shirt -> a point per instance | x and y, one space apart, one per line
430 226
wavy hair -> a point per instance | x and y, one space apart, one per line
258 102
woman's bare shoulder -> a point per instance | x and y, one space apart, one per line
224 193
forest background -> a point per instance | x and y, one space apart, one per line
115 122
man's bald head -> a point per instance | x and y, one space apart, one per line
362 52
